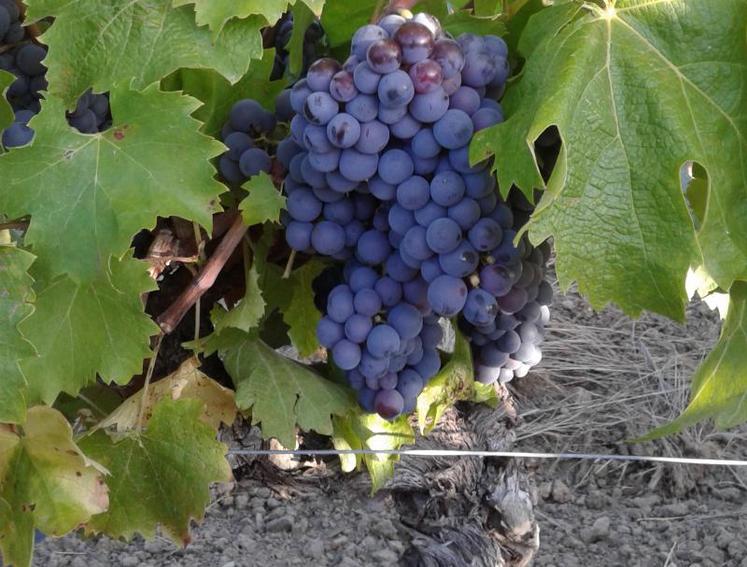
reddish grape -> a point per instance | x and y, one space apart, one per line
416 41
384 56
426 76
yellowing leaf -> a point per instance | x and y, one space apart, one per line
15 295
280 392
719 388
456 381
81 330
160 475
186 382
358 430
633 97
45 482
264 202
100 43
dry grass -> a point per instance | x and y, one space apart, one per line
605 379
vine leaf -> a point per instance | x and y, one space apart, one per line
633 98
454 382
160 475
341 18
719 386
84 329
215 13
6 112
264 201
45 482
248 313
218 95
280 392
302 19
186 382
89 194
15 298
359 430
100 43
300 313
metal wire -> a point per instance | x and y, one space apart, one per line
499 454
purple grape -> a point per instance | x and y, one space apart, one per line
416 41
413 193
395 89
430 107
374 137
426 76
447 295
343 130
364 37
342 88
320 73
443 235
389 403
329 332
384 56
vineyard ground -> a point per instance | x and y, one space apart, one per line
605 378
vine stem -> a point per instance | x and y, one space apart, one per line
289 265
169 319
148 376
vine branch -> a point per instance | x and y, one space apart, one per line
169 319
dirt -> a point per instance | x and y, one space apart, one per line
605 379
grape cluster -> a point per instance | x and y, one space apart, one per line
379 336
379 177
92 113
283 31
247 124
24 60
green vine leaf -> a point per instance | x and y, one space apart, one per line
719 388
215 13
218 95
280 392
264 202
302 19
248 313
145 40
6 112
300 313
341 18
453 383
159 476
15 298
633 98
89 194
45 482
84 329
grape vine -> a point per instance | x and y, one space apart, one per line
217 183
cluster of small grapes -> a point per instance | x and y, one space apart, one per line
24 60
379 178
384 342
248 123
283 31
92 113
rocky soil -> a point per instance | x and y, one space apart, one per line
605 379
